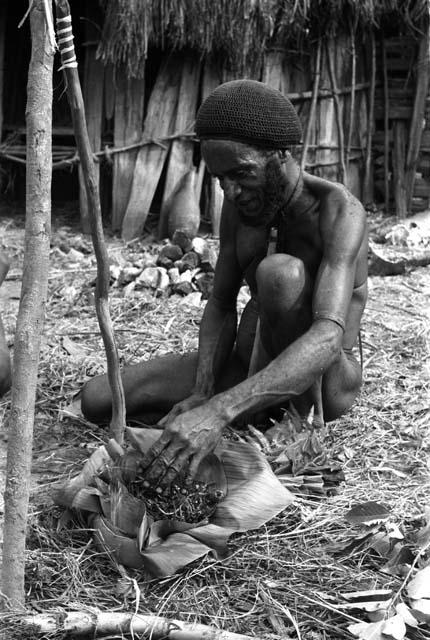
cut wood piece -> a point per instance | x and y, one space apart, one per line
215 205
399 153
93 99
129 108
100 623
183 211
159 123
181 151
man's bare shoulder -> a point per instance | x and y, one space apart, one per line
335 199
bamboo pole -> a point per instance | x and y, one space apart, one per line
337 110
416 129
368 182
311 118
32 304
352 102
74 95
386 129
98 623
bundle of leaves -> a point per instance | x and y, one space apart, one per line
143 528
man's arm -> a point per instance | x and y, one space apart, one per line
219 321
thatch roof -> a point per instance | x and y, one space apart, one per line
239 31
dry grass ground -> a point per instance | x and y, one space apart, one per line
285 580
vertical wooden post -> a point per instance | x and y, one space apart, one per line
337 109
32 304
421 92
368 178
311 117
351 123
3 14
386 128
399 152
74 94
181 151
325 123
93 99
129 106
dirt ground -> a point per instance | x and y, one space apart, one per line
300 563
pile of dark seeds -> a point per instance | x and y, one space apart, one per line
188 503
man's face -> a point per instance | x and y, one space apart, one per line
252 179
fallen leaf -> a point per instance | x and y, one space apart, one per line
367 630
394 627
367 513
419 586
421 609
403 610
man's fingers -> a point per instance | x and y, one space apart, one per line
194 465
174 469
154 452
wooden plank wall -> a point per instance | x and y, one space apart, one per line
405 109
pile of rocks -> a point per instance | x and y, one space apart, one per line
182 266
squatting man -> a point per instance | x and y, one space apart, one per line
296 336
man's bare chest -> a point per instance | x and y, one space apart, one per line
301 240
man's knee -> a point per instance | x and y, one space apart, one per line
278 269
281 279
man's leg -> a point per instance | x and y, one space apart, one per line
152 387
285 294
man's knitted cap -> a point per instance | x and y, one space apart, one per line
251 112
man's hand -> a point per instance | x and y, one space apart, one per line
186 440
194 400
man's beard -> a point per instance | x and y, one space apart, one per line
273 196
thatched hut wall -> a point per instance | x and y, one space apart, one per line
353 70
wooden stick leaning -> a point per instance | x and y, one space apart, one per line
31 309
74 94
99 623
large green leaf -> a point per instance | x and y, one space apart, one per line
254 494
173 554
